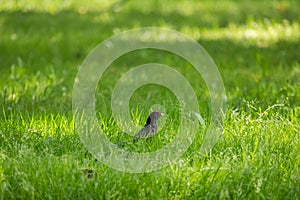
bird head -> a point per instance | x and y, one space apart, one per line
156 115
153 117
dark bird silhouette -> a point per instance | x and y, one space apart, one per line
150 127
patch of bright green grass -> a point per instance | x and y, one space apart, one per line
255 45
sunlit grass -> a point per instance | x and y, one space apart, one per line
255 45
258 34
53 6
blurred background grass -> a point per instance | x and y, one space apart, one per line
255 42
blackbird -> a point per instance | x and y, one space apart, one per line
150 127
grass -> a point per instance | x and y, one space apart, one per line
255 47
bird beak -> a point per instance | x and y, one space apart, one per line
163 114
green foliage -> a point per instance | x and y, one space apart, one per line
256 47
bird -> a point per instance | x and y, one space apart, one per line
150 128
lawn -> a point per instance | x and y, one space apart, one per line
255 46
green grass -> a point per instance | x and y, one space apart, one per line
256 47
